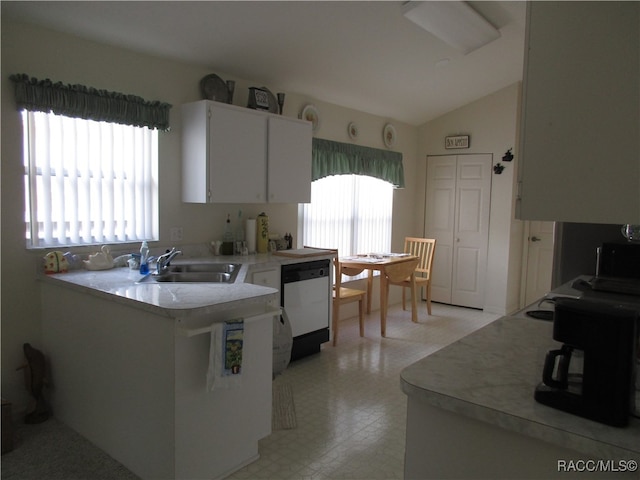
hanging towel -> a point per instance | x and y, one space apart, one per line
225 355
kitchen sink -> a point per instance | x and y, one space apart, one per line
229 268
196 273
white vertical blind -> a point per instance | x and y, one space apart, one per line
88 182
352 213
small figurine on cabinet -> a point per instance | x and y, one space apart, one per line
36 379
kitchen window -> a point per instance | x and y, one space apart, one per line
352 213
88 182
90 163
351 197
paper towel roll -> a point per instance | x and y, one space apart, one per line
250 235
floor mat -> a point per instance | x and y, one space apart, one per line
284 410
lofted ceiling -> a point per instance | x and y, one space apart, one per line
363 55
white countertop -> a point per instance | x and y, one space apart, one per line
177 299
172 300
491 374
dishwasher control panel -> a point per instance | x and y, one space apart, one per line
299 272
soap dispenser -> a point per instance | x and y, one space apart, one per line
144 258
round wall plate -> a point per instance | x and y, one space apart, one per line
352 129
389 135
310 114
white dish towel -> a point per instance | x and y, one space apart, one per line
225 355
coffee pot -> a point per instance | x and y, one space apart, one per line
631 232
593 373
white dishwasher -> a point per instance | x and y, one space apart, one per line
305 297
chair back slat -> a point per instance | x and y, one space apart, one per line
423 248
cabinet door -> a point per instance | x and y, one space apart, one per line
289 174
195 138
237 155
267 278
580 117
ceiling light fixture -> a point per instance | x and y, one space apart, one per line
455 23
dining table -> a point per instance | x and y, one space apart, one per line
375 262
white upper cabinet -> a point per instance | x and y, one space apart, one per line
289 153
232 154
580 130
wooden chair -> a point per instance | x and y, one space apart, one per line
343 295
403 273
425 249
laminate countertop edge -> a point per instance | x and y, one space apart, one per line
490 376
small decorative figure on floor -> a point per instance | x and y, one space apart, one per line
35 379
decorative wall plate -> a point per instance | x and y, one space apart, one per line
310 114
213 87
389 135
352 129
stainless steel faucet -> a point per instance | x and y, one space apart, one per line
163 260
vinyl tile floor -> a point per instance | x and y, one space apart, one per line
350 409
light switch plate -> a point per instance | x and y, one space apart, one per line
176 234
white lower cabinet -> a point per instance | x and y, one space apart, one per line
267 278
232 154
134 384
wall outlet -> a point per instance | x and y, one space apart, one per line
176 234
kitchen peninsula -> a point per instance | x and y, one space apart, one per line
471 413
130 361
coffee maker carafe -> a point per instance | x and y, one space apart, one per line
593 374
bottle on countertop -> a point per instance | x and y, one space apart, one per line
239 239
227 238
239 228
262 233
144 258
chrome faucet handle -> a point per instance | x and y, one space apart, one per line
163 260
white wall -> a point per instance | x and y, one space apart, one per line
492 123
45 54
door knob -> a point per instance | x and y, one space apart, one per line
535 239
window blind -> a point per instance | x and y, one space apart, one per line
352 213
88 182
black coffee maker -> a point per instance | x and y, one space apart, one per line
593 374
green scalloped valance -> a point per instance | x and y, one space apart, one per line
89 103
336 158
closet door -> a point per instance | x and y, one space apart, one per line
457 216
471 236
439 223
